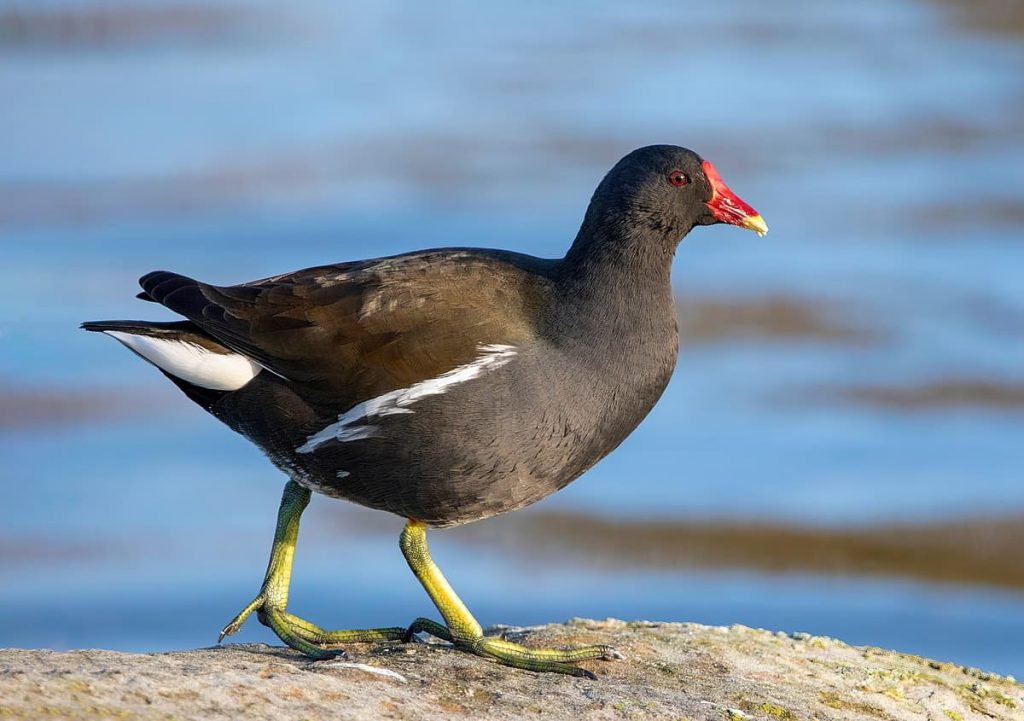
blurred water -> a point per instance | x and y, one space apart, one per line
882 143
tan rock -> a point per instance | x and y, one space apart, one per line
672 671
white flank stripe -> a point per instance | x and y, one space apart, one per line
398 401
191 362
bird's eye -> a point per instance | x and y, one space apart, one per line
678 178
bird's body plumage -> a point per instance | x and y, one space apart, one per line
479 431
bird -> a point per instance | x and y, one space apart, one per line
445 386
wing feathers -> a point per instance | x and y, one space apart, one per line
354 331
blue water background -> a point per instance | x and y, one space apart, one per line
882 142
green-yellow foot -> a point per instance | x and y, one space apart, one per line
555 660
272 600
463 631
304 636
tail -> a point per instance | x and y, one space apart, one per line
183 352
142 327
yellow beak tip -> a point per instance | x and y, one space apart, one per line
756 223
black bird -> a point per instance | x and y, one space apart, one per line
445 386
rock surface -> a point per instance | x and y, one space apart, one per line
672 671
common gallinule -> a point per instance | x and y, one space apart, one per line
445 386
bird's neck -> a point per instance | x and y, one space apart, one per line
615 280
615 320
622 245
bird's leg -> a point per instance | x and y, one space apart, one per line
272 599
463 630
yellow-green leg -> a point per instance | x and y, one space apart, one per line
464 632
272 600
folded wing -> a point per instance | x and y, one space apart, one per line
354 331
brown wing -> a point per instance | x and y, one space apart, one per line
354 331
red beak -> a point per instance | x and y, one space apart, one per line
727 207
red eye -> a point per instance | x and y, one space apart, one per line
678 178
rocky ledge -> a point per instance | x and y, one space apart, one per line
671 671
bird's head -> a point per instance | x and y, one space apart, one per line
671 189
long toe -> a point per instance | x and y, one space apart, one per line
306 637
552 660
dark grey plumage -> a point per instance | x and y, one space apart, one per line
486 380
